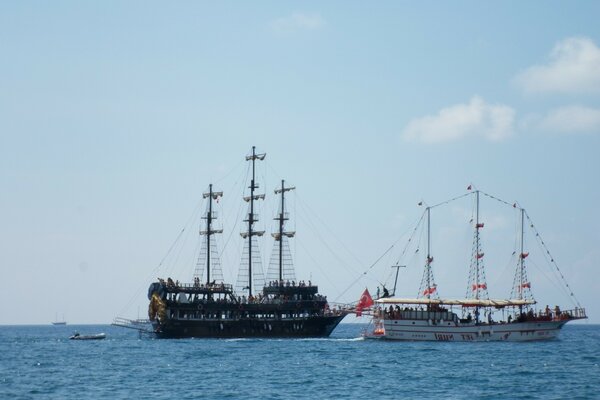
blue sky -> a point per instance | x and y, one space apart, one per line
115 116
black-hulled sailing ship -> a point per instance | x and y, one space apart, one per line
209 307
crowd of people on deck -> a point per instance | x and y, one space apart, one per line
543 315
169 283
530 315
197 284
287 283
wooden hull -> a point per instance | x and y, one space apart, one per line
307 327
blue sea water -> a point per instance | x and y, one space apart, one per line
40 362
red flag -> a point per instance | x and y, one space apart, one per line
480 286
479 225
480 255
365 301
524 255
429 260
429 291
526 285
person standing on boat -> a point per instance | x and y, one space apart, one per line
385 292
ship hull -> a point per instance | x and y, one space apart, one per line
408 330
308 327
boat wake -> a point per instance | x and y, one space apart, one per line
354 339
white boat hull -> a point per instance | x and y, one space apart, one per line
419 330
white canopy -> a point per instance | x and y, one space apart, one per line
458 302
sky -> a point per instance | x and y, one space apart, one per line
115 117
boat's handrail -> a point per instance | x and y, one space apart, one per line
576 313
192 287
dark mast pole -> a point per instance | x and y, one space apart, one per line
282 218
250 222
210 216
396 280
251 218
281 221
208 228
428 252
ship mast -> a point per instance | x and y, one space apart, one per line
477 249
251 216
477 281
428 286
209 217
429 259
521 255
477 255
282 217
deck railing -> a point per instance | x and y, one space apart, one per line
576 313
216 287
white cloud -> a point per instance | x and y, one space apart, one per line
477 118
571 119
298 21
574 67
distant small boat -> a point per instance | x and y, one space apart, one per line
98 336
57 322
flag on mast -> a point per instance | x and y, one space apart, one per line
365 301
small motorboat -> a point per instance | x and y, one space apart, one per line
98 336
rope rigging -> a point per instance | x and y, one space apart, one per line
551 259
520 278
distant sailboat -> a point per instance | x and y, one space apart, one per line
57 322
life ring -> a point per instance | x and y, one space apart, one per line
200 307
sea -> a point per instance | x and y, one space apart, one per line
40 362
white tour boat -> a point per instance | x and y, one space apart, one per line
428 317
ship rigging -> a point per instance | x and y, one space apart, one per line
210 307
431 317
